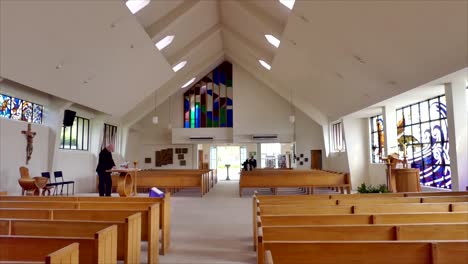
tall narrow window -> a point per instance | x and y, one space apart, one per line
109 136
377 138
213 158
422 130
209 103
75 137
337 137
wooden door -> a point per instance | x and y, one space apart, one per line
200 159
316 159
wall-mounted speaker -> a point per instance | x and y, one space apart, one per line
68 117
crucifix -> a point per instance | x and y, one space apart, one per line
29 139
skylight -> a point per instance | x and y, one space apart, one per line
136 5
288 3
273 41
164 42
264 64
179 66
189 82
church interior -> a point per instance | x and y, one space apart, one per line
233 131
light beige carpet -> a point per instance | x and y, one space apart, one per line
214 229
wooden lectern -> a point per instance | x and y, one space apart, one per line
127 181
401 179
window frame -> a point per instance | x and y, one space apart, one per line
373 156
419 124
33 105
79 137
337 141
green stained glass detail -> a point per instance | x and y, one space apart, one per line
203 108
222 116
192 117
229 83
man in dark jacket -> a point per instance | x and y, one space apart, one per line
252 163
105 163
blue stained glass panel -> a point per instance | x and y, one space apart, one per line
5 106
27 111
37 113
16 108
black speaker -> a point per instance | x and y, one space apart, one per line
68 117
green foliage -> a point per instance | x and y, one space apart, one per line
363 188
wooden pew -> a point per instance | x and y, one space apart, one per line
425 194
67 254
3 193
101 248
368 252
128 232
172 179
149 223
293 178
164 213
445 199
360 233
362 219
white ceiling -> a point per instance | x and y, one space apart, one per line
336 57
93 53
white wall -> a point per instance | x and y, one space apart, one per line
258 109
357 148
308 136
13 153
78 166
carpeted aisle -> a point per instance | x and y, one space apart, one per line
214 229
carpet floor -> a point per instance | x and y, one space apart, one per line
214 229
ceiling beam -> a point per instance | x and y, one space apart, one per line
155 29
255 50
273 25
265 78
197 42
164 92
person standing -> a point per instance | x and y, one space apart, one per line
253 163
105 163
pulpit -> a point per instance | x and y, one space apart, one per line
127 181
401 179
407 180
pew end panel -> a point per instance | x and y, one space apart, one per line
66 255
106 245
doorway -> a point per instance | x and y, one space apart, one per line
228 155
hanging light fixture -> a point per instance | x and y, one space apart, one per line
292 116
170 113
155 117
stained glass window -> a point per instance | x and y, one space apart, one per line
18 109
209 103
27 111
37 113
377 138
423 134
5 106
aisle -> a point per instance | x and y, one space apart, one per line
214 229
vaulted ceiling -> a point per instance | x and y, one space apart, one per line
335 57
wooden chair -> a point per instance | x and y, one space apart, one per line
59 174
30 185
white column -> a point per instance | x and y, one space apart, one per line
390 128
457 119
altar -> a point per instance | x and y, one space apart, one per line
401 179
